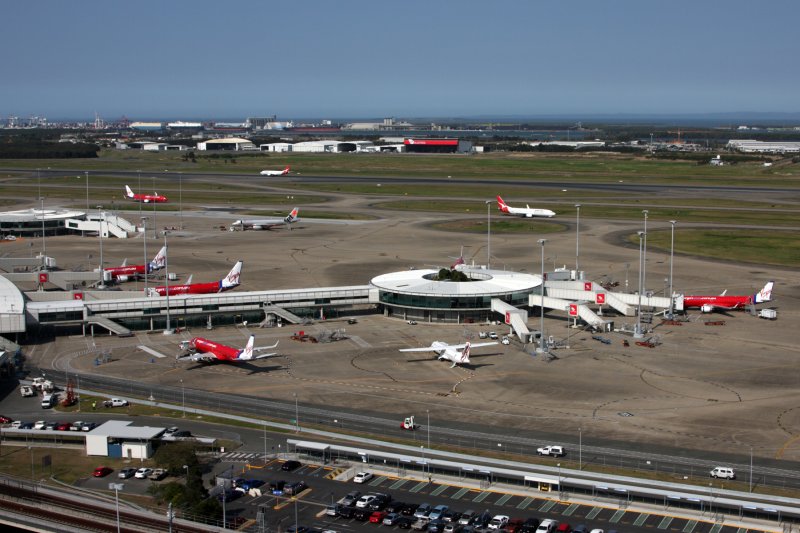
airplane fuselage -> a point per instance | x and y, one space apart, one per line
220 351
127 272
723 302
193 288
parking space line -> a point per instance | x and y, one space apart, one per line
503 499
418 486
524 503
617 516
378 480
641 519
460 493
594 512
549 504
571 509
482 496
689 527
664 524
440 489
399 483
716 528
741 530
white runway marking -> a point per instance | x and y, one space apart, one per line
151 351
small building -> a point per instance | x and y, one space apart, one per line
235 144
117 438
448 146
276 147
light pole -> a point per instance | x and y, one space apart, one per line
541 308
580 449
577 237
296 415
44 244
140 191
183 401
559 477
87 191
144 243
155 223
102 272
180 198
428 412
751 469
168 329
671 255
644 252
224 510
488 233
638 332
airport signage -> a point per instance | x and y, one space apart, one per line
600 298
43 277
508 317
77 296
587 285
573 309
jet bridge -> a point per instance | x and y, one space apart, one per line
584 313
516 318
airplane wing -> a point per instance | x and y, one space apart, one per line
426 349
265 355
266 348
199 357
472 345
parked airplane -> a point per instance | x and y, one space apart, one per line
207 351
146 198
449 352
527 211
228 282
268 223
708 304
283 172
127 272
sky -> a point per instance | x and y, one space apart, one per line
180 59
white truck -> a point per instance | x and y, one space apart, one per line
44 385
27 391
553 451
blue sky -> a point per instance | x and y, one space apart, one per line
413 58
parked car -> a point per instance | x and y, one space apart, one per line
553 451
362 515
423 510
451 516
102 471
126 473
582 529
158 474
498 522
27 391
483 519
292 489
88 426
115 402
506 341
466 517
17 424
547 525
409 509
5 420
26 425
437 512
452 527
76 426
365 500
50 426
349 500
420 524
482 334
345 511
143 472
436 526
395 507
404 522
276 487
288 466
247 484
391 519
63 426
515 525
530 525
362 477
331 510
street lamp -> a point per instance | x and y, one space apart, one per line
180 198
580 449
155 224
44 244
144 243
102 272
427 411
638 332
489 232
541 308
671 255
183 401
140 190
116 487
644 252
577 236
168 329
751 469
87 191
296 415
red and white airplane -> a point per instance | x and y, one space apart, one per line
709 304
527 211
145 198
283 172
127 272
228 282
268 223
450 352
207 351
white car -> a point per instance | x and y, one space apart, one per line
365 500
143 473
362 477
498 522
40 424
506 341
553 451
547 525
493 335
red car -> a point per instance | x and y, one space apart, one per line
515 524
5 420
102 471
563 527
377 517
64 426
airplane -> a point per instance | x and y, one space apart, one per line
228 282
207 351
268 223
527 211
283 172
145 198
709 304
127 272
449 352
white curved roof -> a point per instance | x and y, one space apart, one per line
491 282
33 215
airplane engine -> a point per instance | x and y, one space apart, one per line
123 279
706 308
257 227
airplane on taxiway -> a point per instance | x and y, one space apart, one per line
269 223
228 282
144 198
207 351
283 172
709 304
527 211
127 272
450 352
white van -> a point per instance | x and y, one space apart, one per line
723 472
48 401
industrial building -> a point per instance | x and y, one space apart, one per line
764 147
231 143
429 146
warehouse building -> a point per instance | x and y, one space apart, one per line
437 146
234 144
764 147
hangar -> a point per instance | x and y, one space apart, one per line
437 146
231 143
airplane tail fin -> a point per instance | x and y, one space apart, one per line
292 217
285 171
232 279
128 192
189 281
765 294
247 353
160 260
501 205
464 358
125 262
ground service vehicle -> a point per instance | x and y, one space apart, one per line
723 472
553 451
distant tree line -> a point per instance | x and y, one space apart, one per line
19 148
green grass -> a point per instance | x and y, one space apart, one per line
516 225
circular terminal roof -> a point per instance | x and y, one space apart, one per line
485 282
36 215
